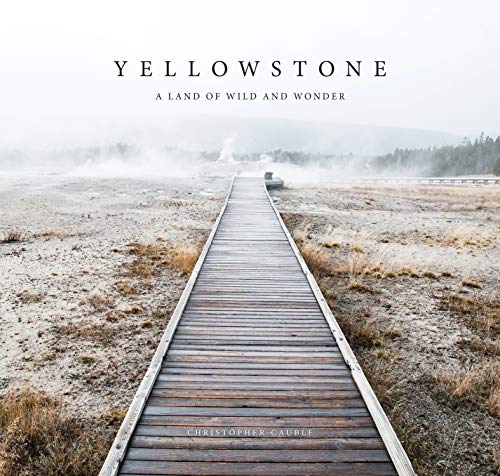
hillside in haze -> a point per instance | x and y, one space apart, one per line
257 135
182 145
211 133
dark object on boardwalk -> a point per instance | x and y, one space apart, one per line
273 182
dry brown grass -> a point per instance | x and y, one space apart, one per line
87 359
59 234
40 438
470 283
481 314
331 244
135 309
392 333
89 331
115 316
184 258
361 287
100 303
147 262
484 345
464 237
469 236
479 385
322 263
11 236
125 288
51 234
150 260
325 259
26 297
318 259
416 440
360 332
161 313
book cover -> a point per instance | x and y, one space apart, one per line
249 238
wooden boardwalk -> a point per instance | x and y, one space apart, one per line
253 375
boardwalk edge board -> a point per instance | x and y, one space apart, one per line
120 444
395 449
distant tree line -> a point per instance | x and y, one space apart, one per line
469 158
481 156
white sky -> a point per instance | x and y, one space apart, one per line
57 77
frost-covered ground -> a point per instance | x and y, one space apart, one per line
68 324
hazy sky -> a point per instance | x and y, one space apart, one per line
58 81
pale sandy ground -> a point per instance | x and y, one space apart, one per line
96 219
414 226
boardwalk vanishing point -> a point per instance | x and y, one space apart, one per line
253 375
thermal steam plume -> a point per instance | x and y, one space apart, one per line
226 154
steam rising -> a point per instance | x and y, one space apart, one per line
226 154
293 150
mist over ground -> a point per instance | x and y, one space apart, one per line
295 150
304 150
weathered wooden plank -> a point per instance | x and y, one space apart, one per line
246 379
254 412
243 392
259 455
261 422
254 365
135 468
342 370
254 345
275 402
257 443
367 433
305 353
260 358
256 386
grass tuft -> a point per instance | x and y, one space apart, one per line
87 359
39 437
392 333
12 236
317 259
88 331
469 283
362 287
100 303
150 260
331 244
184 258
481 314
125 288
134 310
479 385
26 297
51 234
